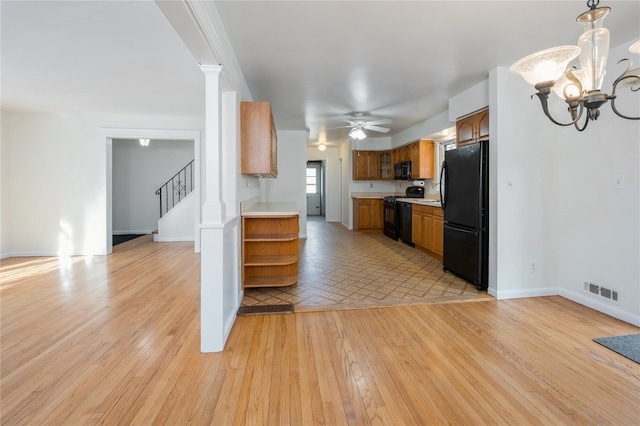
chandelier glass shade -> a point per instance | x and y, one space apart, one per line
580 88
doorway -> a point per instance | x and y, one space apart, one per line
109 134
315 188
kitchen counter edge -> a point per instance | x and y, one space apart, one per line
271 209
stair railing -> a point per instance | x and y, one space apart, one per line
176 188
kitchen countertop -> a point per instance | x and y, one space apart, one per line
381 195
271 209
421 201
377 195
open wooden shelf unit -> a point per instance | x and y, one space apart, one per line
269 251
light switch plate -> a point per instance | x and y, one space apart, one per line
618 182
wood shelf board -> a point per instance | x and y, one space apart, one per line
271 281
270 260
271 237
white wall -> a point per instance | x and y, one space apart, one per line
289 186
564 212
423 130
60 161
522 150
4 188
345 163
137 173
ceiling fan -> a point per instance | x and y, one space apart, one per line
360 122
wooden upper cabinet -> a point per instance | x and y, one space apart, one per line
401 154
473 128
385 165
422 159
258 140
465 131
483 124
365 165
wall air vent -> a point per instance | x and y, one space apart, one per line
605 292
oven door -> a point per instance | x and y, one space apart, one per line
391 220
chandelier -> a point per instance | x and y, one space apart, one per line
580 88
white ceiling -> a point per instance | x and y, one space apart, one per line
315 61
96 56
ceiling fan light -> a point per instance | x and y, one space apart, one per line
635 47
357 134
546 65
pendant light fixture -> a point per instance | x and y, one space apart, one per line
580 88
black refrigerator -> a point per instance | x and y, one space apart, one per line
464 191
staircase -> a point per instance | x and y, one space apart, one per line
176 189
177 221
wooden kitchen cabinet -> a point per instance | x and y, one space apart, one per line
258 140
369 212
422 159
402 154
428 229
269 251
438 232
473 128
365 165
385 165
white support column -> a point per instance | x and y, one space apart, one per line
213 227
213 209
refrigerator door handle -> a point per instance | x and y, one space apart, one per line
443 180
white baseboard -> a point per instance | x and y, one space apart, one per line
134 231
173 239
517 294
605 308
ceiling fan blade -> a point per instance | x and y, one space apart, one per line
380 121
376 128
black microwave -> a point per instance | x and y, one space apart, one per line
402 171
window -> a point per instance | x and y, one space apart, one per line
312 181
441 147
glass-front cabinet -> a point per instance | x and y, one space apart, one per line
386 165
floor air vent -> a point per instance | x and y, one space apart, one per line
607 293
265 310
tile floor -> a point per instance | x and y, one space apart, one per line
342 269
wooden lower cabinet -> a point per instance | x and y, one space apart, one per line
427 229
368 213
269 251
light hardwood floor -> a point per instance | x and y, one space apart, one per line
115 340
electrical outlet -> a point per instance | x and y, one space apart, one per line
533 266
371 185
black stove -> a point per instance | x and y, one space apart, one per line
391 198
395 225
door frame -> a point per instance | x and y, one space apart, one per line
108 134
320 184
